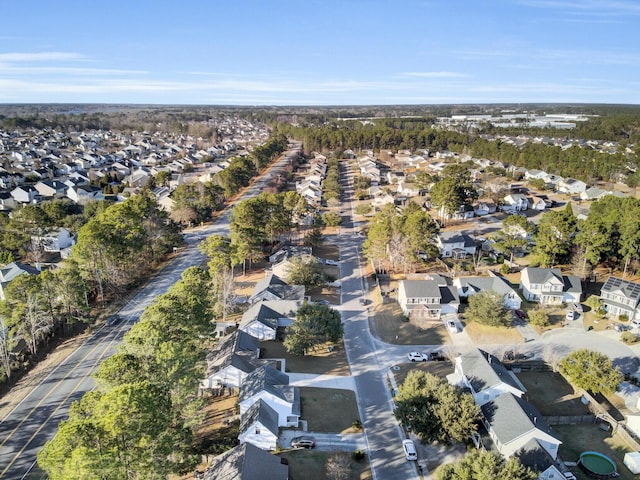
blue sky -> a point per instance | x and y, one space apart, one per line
329 52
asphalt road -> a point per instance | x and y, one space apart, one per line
35 420
382 431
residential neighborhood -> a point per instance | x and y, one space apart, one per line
462 291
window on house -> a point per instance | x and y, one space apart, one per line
258 430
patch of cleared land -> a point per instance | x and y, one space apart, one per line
319 361
392 326
484 334
329 410
311 465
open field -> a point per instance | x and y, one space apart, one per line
579 438
320 361
310 465
550 393
329 410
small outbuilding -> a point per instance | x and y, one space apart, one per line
632 461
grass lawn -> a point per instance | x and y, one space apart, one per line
311 465
550 393
579 438
392 327
329 410
439 369
320 361
484 334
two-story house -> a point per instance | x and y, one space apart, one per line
621 297
429 298
549 287
455 244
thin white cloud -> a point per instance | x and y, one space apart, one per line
39 56
587 7
435 74
9 69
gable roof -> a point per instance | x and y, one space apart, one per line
618 286
543 275
477 284
511 417
534 456
263 378
484 370
239 350
260 412
456 237
246 462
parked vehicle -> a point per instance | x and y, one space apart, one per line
417 357
304 441
452 327
520 314
409 450
437 356
570 315
113 319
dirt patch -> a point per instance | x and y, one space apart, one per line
311 465
327 250
329 294
319 361
329 410
551 394
484 334
391 326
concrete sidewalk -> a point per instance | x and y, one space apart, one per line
322 381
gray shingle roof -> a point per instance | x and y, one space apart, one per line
260 412
542 275
484 371
246 462
263 378
511 417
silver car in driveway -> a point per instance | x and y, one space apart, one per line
304 441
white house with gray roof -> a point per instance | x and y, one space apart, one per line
259 426
272 287
455 244
621 297
549 287
468 286
485 375
513 422
247 462
235 357
272 386
429 298
262 319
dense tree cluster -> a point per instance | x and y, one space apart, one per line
119 244
400 242
137 424
435 410
331 183
263 220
